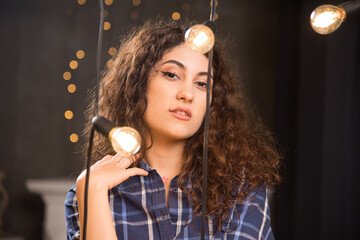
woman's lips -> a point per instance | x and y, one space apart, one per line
181 113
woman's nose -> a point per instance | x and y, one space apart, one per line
185 91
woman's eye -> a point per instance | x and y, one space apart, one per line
201 84
170 75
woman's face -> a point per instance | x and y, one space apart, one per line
176 94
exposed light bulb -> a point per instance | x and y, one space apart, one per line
124 140
200 37
326 19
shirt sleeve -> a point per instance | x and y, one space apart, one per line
72 215
254 221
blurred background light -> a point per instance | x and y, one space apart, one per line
73 64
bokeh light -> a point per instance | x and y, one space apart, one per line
73 64
112 51
67 76
107 25
81 2
68 114
71 88
109 2
136 3
74 137
134 15
80 54
106 13
110 63
175 16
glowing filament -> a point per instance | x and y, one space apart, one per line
125 140
326 19
200 39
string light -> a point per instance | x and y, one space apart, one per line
107 25
112 51
134 15
68 114
71 88
109 2
110 63
136 3
67 76
73 64
74 138
106 13
81 2
80 54
175 16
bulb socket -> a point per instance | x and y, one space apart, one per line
102 125
352 8
211 25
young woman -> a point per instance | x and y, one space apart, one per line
158 86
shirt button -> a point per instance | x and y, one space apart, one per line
174 219
175 190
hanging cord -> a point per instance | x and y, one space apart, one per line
212 10
206 132
96 110
98 57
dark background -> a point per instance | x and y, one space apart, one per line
305 87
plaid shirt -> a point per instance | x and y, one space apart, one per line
139 211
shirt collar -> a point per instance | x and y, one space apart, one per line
146 167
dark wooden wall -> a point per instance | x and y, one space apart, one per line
304 86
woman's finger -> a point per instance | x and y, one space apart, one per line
130 172
123 162
105 159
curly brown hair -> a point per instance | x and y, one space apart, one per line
241 148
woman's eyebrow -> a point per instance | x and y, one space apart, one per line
175 62
204 74
183 67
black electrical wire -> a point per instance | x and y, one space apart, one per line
96 110
213 10
98 57
206 131
205 149
87 182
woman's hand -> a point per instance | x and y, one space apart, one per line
109 172
104 175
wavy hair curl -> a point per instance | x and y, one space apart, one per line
241 148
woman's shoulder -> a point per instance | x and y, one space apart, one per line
257 195
252 216
130 185
71 196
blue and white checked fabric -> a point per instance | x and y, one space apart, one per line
139 211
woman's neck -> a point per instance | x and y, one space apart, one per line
166 157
